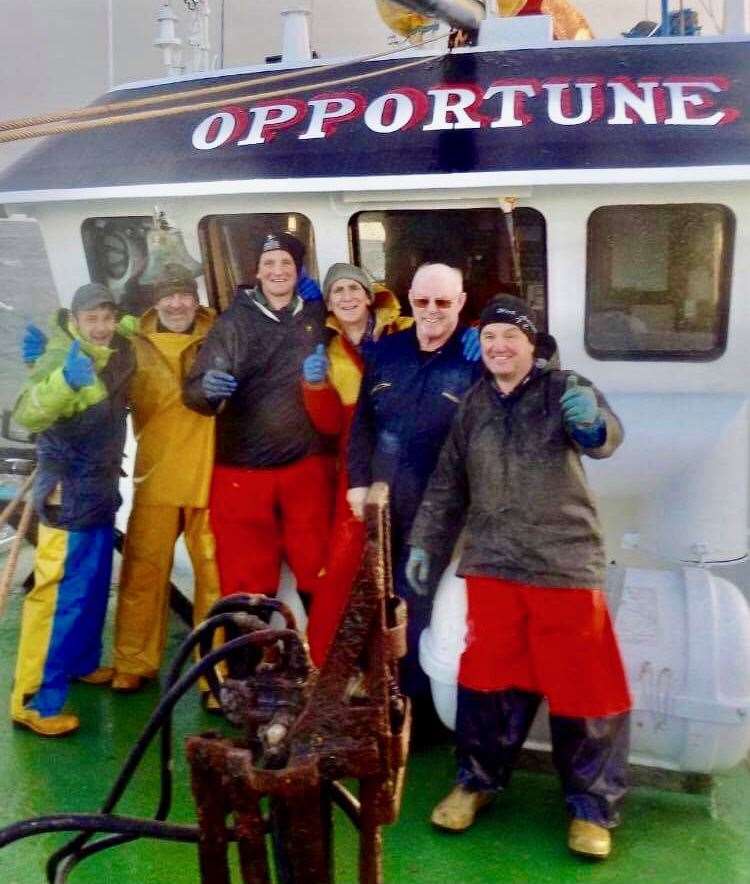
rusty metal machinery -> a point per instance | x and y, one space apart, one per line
304 731
301 732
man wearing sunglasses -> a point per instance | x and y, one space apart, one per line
410 391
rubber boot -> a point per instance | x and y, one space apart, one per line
591 755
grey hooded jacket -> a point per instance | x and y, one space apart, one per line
512 475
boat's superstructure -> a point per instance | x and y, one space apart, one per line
608 182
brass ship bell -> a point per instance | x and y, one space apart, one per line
166 246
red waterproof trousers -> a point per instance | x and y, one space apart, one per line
259 516
332 597
550 641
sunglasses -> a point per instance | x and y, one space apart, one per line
440 303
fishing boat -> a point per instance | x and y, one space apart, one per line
609 181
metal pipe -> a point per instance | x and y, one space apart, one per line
466 14
664 32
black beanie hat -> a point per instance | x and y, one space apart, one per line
511 310
284 242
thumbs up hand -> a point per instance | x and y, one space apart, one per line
579 405
78 369
315 366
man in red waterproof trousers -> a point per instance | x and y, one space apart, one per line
272 487
533 558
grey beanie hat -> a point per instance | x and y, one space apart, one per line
347 271
91 295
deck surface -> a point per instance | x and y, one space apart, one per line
666 837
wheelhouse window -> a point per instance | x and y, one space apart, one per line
658 281
496 251
116 254
230 249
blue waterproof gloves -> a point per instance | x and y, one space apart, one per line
418 570
315 366
471 347
308 289
78 369
218 384
33 343
581 414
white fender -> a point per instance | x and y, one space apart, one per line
685 641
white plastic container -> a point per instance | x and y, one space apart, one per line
685 640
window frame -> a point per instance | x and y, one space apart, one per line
723 305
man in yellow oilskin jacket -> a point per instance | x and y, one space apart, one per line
171 480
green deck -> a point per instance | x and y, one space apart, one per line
666 837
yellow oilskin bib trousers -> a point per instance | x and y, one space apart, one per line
171 484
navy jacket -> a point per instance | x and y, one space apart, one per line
82 454
406 405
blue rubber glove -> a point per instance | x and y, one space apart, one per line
308 289
33 343
315 366
418 570
581 414
470 342
218 384
78 369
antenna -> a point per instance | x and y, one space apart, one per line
168 41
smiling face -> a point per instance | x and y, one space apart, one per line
436 299
507 353
177 311
277 276
97 325
349 302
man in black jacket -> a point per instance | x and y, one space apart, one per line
271 492
533 557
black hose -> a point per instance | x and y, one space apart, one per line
78 846
98 822
155 722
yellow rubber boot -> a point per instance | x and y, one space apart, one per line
127 682
48 725
456 812
589 839
102 675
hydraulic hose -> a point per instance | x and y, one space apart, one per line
98 822
155 722
77 849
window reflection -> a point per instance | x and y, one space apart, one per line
658 281
493 251
230 248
